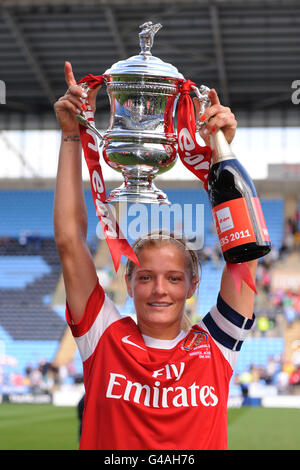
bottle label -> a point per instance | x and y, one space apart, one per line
234 224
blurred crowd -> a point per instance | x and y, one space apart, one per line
279 372
280 300
275 301
291 236
45 377
272 304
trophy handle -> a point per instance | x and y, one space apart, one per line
83 120
204 102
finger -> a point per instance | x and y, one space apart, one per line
66 105
215 109
69 76
213 96
221 120
74 100
76 91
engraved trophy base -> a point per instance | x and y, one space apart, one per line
136 190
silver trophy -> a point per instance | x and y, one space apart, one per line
140 141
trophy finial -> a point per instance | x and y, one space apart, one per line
147 36
203 103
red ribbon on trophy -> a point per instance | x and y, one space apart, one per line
117 243
194 156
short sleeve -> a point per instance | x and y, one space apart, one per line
100 312
93 306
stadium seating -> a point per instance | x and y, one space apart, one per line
18 272
187 199
273 210
25 352
31 212
27 275
29 329
257 351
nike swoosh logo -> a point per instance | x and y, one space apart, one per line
127 341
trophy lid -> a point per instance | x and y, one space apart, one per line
145 63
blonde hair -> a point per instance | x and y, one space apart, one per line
160 238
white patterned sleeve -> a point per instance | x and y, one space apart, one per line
228 329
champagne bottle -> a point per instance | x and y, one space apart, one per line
236 209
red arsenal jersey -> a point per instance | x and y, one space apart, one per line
150 394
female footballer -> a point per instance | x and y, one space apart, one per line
151 383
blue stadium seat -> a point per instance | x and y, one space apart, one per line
257 351
273 210
26 352
209 286
18 271
31 211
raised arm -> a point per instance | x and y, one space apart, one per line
70 215
221 117
242 302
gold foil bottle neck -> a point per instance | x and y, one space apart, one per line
221 149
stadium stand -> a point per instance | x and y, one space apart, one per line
30 326
30 212
27 278
257 352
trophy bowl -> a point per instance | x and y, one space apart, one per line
140 141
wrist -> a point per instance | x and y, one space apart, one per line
70 137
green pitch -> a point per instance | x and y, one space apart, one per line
38 427
46 427
258 428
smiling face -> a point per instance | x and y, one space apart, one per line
160 288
